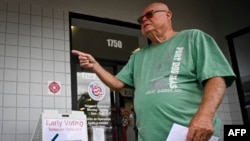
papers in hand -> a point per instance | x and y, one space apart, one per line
179 133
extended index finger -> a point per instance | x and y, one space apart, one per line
76 52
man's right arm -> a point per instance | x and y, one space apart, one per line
88 61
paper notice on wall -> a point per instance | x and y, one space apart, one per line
98 134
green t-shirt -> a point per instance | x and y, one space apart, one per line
168 80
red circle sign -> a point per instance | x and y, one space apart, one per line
54 87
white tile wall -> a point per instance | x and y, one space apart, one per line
9 101
9 126
12 28
11 51
23 102
2 50
48 102
22 127
2 38
12 17
24 19
47 54
35 114
48 65
36 89
23 76
2 26
10 62
11 39
23 63
36 76
23 114
36 65
2 62
23 88
23 39
1 74
47 43
34 49
9 87
35 101
10 75
9 114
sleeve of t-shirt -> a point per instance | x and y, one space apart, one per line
126 73
211 61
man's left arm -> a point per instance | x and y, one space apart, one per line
201 126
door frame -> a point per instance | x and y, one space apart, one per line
241 94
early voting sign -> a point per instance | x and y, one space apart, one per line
53 126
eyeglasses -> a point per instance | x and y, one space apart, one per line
149 15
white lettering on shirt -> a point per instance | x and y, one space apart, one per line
175 68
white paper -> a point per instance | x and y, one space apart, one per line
179 133
98 134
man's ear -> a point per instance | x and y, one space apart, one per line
169 14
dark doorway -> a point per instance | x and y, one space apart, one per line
239 47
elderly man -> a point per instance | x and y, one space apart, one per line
180 78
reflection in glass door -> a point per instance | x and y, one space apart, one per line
110 115
127 115
93 97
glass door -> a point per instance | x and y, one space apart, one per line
93 98
128 116
110 115
239 50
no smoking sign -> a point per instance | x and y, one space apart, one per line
54 87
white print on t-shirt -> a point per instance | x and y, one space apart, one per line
175 68
163 91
